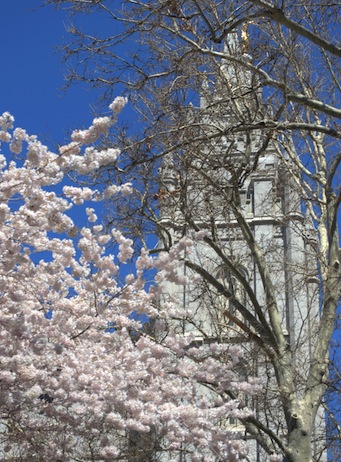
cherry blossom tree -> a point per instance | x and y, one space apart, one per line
79 375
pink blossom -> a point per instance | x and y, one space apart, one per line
118 104
73 358
275 458
6 121
19 135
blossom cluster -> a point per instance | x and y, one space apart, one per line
76 364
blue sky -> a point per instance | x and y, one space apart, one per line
32 72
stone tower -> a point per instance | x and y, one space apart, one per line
234 180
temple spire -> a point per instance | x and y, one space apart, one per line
245 38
